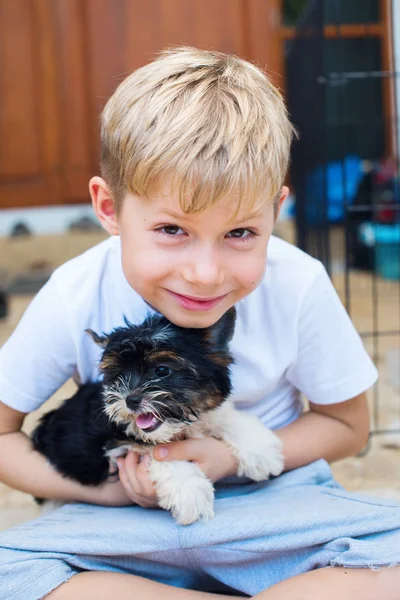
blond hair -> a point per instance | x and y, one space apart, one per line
212 123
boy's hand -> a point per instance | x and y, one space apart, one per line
132 487
213 456
134 477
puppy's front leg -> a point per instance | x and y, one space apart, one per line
183 489
256 448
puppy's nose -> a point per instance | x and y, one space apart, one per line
133 402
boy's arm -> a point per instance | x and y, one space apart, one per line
24 469
331 432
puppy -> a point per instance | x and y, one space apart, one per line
160 383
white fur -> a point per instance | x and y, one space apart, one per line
257 449
183 489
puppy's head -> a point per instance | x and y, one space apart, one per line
159 377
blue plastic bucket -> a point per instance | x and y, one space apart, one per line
386 242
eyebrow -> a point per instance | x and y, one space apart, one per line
184 216
173 214
253 215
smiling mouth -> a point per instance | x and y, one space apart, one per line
148 422
196 304
200 299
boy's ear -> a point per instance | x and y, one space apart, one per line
281 200
103 205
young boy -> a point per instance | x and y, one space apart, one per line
195 148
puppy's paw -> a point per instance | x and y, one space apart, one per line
258 451
263 457
192 502
183 489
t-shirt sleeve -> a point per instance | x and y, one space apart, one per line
332 364
40 354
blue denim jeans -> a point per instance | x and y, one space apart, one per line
262 533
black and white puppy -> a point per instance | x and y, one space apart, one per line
160 383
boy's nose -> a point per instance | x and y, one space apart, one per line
203 269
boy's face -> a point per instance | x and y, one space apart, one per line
191 268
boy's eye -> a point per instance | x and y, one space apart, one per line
171 230
241 233
162 371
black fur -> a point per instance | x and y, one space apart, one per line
72 437
194 377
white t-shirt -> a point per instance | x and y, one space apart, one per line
292 335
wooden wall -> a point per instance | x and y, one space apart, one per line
61 59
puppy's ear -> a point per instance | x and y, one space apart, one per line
99 340
220 334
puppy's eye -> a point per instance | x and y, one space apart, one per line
162 371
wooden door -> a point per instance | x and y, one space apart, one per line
29 126
61 59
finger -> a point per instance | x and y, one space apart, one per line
132 464
192 450
139 486
140 479
128 473
143 467
137 498
123 477
133 459
144 478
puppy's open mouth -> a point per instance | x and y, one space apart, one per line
148 422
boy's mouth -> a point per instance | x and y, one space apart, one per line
195 303
148 422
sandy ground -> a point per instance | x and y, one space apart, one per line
18 255
376 473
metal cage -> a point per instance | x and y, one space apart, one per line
341 94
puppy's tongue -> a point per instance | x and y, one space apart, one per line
146 421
